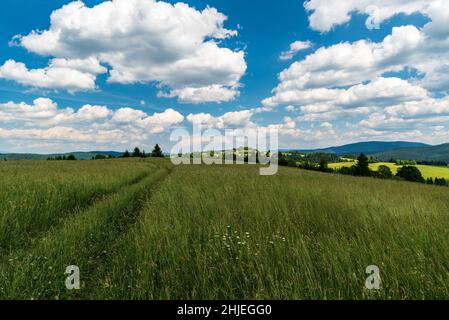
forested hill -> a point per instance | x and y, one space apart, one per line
369 148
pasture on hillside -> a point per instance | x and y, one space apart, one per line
427 171
144 229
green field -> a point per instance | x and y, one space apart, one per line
143 229
427 171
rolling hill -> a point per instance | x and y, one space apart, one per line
145 229
369 148
426 153
78 155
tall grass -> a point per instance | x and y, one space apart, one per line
224 232
35 195
83 240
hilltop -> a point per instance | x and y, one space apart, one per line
78 155
369 148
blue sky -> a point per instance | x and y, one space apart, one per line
398 94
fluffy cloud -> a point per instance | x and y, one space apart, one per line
70 75
214 93
45 126
291 135
295 47
290 108
235 119
128 116
380 91
88 65
425 107
352 63
55 133
89 126
425 49
326 14
159 122
143 41
416 115
351 87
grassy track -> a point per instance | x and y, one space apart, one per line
225 232
39 194
82 240
208 232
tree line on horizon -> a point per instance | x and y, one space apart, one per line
408 171
137 153
69 157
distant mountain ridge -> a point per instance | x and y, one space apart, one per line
78 155
369 148
439 153
384 151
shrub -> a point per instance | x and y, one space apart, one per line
410 173
137 153
384 172
157 152
362 166
99 157
347 170
405 162
441 182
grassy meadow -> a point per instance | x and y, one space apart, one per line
143 229
37 195
427 171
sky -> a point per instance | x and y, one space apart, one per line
111 75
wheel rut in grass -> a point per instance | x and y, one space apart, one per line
94 278
82 240
32 235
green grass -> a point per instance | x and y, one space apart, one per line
83 240
38 194
427 171
225 232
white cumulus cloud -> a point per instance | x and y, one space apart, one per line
326 14
88 127
142 41
295 47
58 75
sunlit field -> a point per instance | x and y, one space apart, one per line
427 171
143 229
